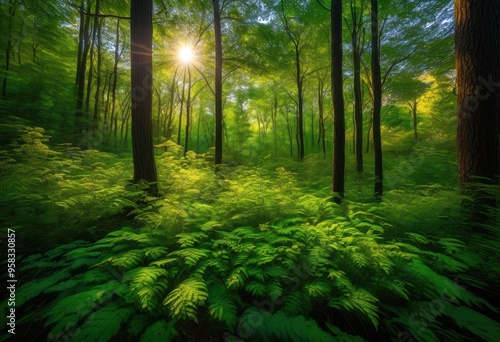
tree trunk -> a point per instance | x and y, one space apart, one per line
218 83
99 76
80 124
179 128
413 114
358 105
12 13
115 77
95 29
377 100
188 113
338 102
170 118
141 32
477 50
300 104
321 113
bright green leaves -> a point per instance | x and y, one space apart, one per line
147 286
184 300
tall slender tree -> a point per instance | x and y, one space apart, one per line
357 34
12 12
218 82
338 102
477 50
377 99
141 32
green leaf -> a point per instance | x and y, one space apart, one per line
103 324
160 331
186 297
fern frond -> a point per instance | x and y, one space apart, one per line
360 300
160 331
103 324
221 305
186 297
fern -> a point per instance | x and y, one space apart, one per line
184 300
359 300
222 305
160 331
103 324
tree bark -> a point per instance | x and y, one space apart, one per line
141 32
477 52
80 124
218 83
115 77
188 113
12 12
338 103
377 100
357 25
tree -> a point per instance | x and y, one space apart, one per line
477 51
12 12
299 41
377 100
338 102
218 82
357 42
141 36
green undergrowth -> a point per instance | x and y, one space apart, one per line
52 194
239 253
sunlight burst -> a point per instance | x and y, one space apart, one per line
186 54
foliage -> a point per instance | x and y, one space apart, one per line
317 272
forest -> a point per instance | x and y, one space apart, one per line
250 170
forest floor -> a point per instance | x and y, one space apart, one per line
253 252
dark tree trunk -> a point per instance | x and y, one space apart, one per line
274 121
80 124
377 100
413 113
12 12
141 31
357 25
321 113
300 104
218 83
170 119
338 102
477 44
99 76
95 29
115 77
188 113
179 128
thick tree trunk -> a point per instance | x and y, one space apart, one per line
141 29
377 101
338 102
218 83
477 48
